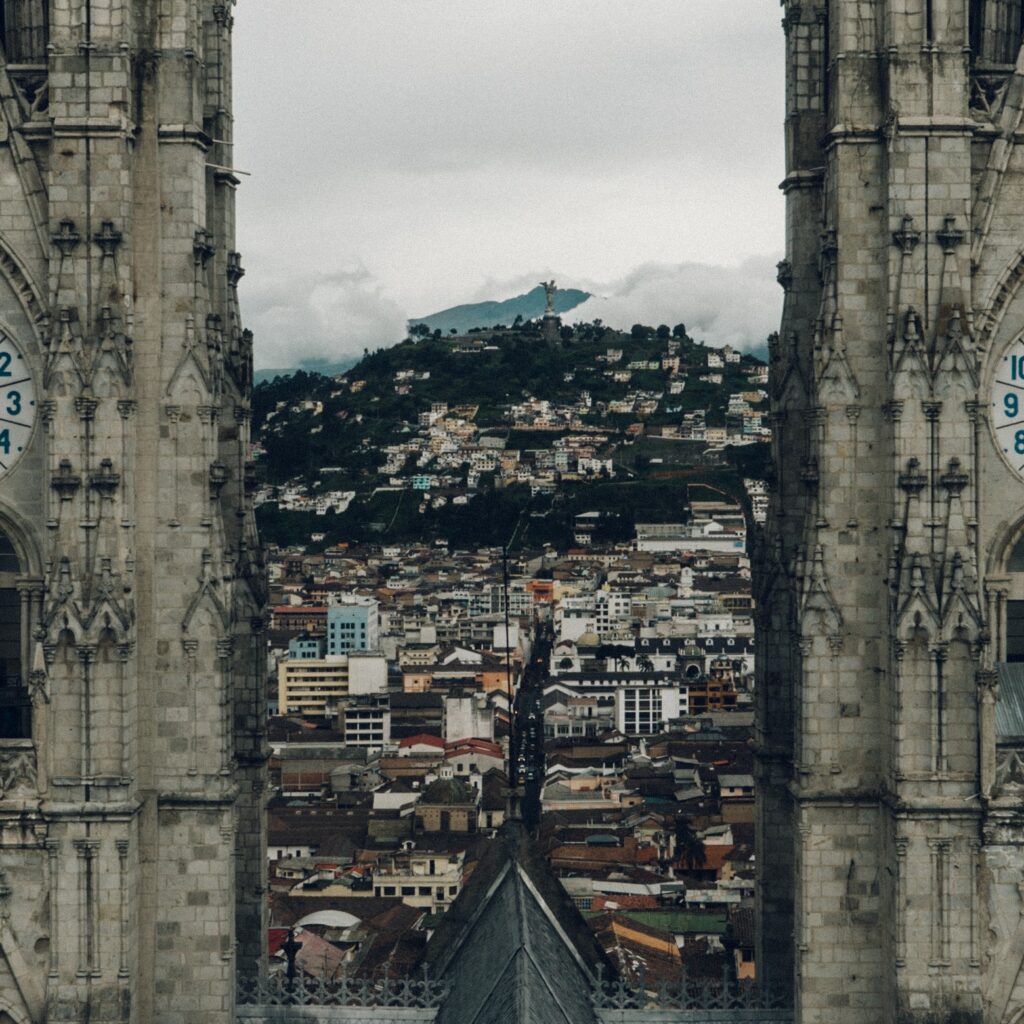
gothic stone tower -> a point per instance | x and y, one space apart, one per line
131 601
892 840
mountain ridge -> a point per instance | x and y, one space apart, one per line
464 317
529 305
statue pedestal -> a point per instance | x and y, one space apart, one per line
549 328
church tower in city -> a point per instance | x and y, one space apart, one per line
131 593
891 690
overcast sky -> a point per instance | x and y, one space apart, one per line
410 155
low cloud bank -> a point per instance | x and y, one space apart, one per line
738 306
331 318
336 316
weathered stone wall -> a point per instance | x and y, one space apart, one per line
883 569
132 857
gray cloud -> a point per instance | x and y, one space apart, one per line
448 144
445 142
340 314
330 317
738 306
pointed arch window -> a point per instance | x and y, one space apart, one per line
25 30
994 31
15 706
1014 619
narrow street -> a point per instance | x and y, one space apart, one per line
528 732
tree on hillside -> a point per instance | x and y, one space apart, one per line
679 331
639 332
663 331
419 331
689 846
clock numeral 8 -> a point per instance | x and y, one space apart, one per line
1018 442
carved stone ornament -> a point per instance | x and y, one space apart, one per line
949 237
67 238
906 238
1009 768
108 238
37 691
17 769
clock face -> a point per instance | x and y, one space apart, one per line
17 402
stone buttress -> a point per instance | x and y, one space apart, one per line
890 850
132 813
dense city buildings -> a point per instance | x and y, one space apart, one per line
619 692
574 704
132 751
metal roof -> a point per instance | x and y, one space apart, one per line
1010 706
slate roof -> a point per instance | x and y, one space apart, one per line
1010 706
513 946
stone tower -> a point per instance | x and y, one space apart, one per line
131 597
892 567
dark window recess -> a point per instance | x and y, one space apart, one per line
15 706
974 16
24 29
1015 630
1015 563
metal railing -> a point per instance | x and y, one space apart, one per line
417 992
692 998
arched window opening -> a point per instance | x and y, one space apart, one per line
25 30
15 706
994 31
1008 608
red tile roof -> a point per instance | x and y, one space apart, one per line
424 739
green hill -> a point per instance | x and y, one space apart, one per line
487 314
334 434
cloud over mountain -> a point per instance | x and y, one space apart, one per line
333 317
738 306
327 318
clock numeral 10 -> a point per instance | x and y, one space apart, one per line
1016 367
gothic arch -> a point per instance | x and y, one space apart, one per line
1007 536
10 1014
24 287
1015 1017
23 537
998 301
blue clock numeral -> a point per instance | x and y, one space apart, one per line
1018 442
1011 405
